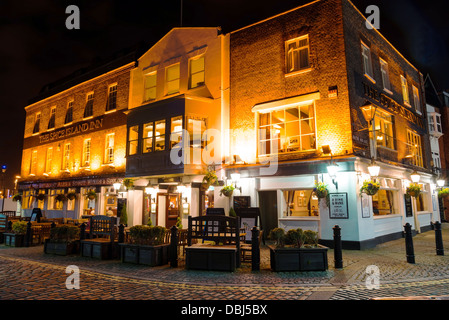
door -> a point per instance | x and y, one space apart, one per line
268 211
172 209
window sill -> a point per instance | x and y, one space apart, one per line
110 111
369 78
35 134
294 73
408 105
68 123
388 91
88 118
386 216
50 129
423 212
108 165
300 218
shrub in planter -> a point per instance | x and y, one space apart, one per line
232 212
17 237
414 190
63 240
146 246
227 191
370 187
297 250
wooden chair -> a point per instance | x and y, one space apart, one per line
246 248
102 243
40 232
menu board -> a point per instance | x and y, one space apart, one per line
338 206
408 205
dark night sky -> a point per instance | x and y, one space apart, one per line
36 48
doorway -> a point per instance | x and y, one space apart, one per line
268 211
168 208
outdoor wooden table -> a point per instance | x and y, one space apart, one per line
203 256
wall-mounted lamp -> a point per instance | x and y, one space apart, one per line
332 168
415 177
440 182
235 177
373 169
117 186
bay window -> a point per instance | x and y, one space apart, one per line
384 130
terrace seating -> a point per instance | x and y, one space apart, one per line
246 249
40 232
102 243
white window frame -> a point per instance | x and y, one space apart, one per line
148 89
367 62
109 149
291 53
112 95
87 146
414 141
405 93
175 80
89 103
385 75
52 119
416 99
69 109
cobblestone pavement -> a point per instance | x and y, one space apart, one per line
28 273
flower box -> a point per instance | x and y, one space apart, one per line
156 255
298 259
14 240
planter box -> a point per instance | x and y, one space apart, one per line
298 259
144 254
14 240
207 257
62 248
103 250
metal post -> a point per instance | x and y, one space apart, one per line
83 231
255 249
173 249
28 235
409 243
121 233
338 255
438 239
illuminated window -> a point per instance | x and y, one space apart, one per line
172 79
89 108
196 76
414 148
53 204
40 203
436 160
37 121
159 135
133 139
112 98
405 94
109 149
287 130
416 100
86 153
385 75
422 203
33 164
384 202
367 63
300 203
48 160
147 137
71 203
297 54
66 157
150 87
176 131
69 113
196 127
51 122
384 127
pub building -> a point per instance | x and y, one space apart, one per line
329 99
75 141
179 89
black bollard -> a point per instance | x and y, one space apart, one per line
53 224
438 239
9 229
28 235
83 231
121 233
409 243
338 254
173 249
255 249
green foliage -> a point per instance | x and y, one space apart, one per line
227 191
128 183
124 215
19 227
60 197
71 195
311 237
149 223
91 195
210 178
41 196
232 212
179 223
414 190
295 237
64 233
278 235
146 235
370 187
443 193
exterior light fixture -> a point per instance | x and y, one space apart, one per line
326 149
415 177
117 186
238 160
332 170
373 169
235 177
440 182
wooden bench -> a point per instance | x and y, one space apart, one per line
224 254
102 243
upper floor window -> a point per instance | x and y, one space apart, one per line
416 100
33 164
287 130
385 75
405 93
414 148
109 148
297 54
66 157
37 121
49 160
86 153
147 137
51 121
89 108
69 113
435 123
196 72
159 135
176 131
150 86
196 126
112 98
367 62
384 130
133 139
172 79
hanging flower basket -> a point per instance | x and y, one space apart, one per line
370 187
320 190
128 183
60 197
41 196
443 193
71 196
210 178
91 195
227 191
414 190
17 197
